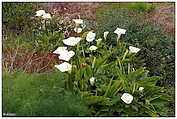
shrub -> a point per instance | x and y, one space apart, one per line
13 12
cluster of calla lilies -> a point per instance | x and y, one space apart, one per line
66 55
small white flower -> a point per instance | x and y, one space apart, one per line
127 98
141 88
92 47
60 50
90 36
40 12
78 21
46 16
133 49
105 34
119 31
66 55
99 40
78 30
64 67
71 41
92 81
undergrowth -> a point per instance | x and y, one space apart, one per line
39 95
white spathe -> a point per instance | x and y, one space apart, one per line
66 55
106 34
59 50
64 67
92 48
127 98
46 16
141 88
90 36
78 21
78 30
119 31
92 81
71 41
133 49
99 40
40 12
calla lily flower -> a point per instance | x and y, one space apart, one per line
133 49
66 55
78 30
59 50
92 81
119 31
106 34
99 40
71 41
40 12
78 21
141 88
64 67
92 48
90 36
46 16
127 98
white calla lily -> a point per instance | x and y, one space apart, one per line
78 21
78 30
64 67
141 88
106 34
90 36
66 55
92 81
119 31
59 50
127 98
71 41
92 48
46 16
99 40
40 12
133 49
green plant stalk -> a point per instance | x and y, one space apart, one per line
93 64
128 68
125 54
110 82
134 87
118 37
83 52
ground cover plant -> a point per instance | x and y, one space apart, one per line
108 71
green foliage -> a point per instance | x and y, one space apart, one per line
144 7
157 47
39 95
13 12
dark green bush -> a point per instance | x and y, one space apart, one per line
16 15
39 95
